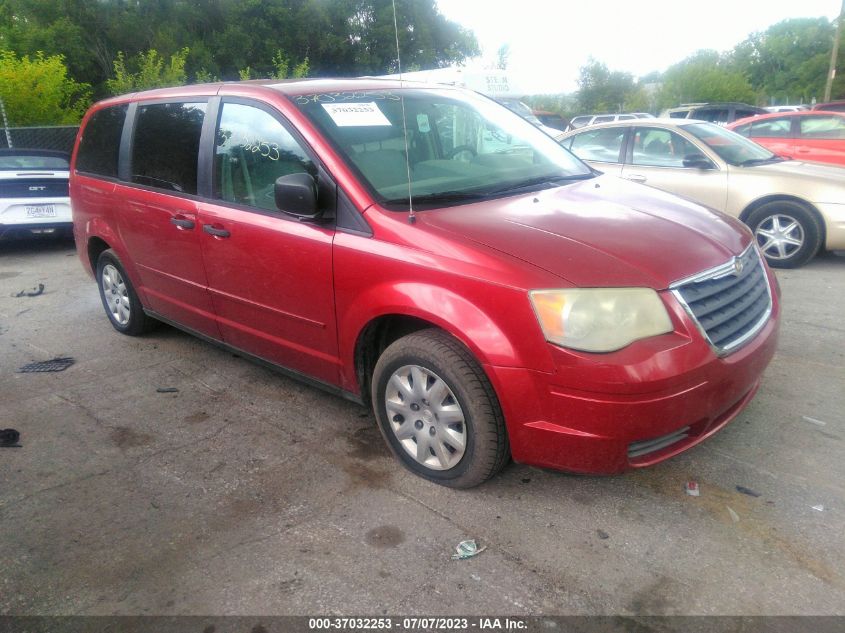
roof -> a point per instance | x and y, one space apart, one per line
654 122
782 115
291 87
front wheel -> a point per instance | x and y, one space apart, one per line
787 232
437 410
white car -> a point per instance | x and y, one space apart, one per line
34 192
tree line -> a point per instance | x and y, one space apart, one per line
786 63
108 47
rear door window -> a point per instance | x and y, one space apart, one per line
166 146
740 113
100 143
714 115
823 127
599 145
603 119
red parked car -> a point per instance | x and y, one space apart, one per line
814 135
524 305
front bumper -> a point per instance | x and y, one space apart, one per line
606 413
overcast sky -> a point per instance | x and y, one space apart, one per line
550 39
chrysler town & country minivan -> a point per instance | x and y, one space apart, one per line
426 252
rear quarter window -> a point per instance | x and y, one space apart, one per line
100 142
165 150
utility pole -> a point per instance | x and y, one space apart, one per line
831 73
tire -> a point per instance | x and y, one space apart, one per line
459 439
788 233
120 301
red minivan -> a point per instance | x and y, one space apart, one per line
428 253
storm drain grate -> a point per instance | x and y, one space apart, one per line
57 364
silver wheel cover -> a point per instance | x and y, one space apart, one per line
116 294
425 417
779 236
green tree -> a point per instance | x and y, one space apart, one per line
787 61
704 76
603 90
340 37
152 72
37 90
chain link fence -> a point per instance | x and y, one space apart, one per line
59 137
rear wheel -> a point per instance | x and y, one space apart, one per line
437 410
120 301
787 232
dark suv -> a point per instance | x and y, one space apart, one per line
719 113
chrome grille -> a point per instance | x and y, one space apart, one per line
729 303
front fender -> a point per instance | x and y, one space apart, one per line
490 336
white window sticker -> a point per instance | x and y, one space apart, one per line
423 124
355 114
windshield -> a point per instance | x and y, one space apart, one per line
461 146
730 146
33 161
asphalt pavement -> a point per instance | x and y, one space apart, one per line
245 492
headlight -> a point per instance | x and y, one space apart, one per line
599 319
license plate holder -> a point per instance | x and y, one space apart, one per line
40 211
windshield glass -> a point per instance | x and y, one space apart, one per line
33 161
461 146
730 146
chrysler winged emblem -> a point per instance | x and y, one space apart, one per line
738 265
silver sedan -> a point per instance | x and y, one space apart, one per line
794 208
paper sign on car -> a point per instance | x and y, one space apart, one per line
356 114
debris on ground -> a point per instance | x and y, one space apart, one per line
747 491
818 508
55 364
9 438
34 292
526 480
167 390
814 421
602 534
467 549
734 515
692 489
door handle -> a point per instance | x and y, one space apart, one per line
635 178
216 232
183 224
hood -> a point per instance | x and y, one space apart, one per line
600 232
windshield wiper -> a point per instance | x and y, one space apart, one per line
442 196
542 180
761 161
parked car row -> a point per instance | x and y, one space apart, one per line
426 252
794 208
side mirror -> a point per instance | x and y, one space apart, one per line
296 194
698 161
